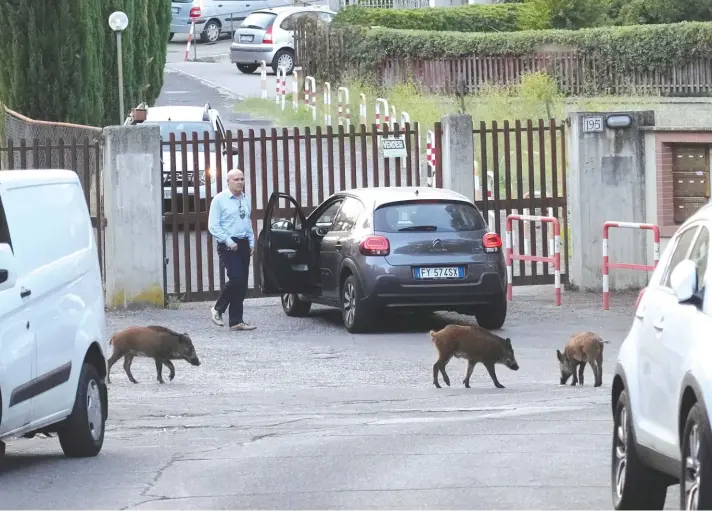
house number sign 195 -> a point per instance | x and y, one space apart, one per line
593 124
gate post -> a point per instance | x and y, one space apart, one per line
133 194
458 155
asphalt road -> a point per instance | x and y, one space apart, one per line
300 414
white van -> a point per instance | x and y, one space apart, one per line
52 325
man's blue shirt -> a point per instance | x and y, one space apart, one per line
224 221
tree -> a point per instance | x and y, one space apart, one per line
645 12
564 14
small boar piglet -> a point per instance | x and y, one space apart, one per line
474 344
159 343
582 348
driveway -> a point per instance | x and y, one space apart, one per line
301 414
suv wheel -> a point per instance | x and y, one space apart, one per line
696 466
492 316
283 58
247 68
294 306
211 32
633 484
81 435
355 316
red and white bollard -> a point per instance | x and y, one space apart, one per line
295 88
342 96
327 103
405 119
363 110
430 155
393 119
281 89
263 79
310 88
555 259
627 266
379 102
191 35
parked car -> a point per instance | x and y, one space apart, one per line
53 340
189 119
663 381
385 249
268 34
214 17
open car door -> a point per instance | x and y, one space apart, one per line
284 250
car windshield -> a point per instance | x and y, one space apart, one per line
259 20
428 216
178 127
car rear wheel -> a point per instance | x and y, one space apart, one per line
633 484
355 315
170 36
696 466
283 58
294 306
247 68
81 435
492 316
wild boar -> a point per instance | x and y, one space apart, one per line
582 348
475 344
157 342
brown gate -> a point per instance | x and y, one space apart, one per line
83 156
309 165
526 161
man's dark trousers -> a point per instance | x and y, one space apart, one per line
237 264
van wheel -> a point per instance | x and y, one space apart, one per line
696 466
81 435
633 484
492 316
354 313
294 306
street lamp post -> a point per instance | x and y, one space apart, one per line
118 21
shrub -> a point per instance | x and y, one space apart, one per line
466 18
564 14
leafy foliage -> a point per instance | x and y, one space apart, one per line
564 14
633 12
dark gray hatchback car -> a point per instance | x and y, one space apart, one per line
373 250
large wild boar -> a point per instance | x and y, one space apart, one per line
159 343
475 344
582 348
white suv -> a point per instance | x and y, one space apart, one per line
52 331
663 381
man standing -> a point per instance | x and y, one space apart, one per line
229 223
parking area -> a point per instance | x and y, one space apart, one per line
301 414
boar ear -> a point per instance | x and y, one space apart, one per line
508 342
559 356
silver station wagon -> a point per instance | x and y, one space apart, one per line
372 251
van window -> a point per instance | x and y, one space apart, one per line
47 222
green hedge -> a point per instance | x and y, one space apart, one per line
467 18
363 51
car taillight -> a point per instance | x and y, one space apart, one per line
195 12
375 245
492 242
640 297
268 36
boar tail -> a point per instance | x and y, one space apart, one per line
111 340
432 336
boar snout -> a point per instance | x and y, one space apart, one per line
194 360
514 367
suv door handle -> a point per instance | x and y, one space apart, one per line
338 244
24 293
658 325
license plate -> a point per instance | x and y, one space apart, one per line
452 272
246 38
176 10
166 194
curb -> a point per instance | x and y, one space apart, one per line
210 84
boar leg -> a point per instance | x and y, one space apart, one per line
493 375
115 356
470 368
171 368
159 370
599 374
440 366
127 367
581 367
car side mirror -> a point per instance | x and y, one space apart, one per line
683 281
8 270
235 149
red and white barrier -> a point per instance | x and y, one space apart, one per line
295 88
393 119
327 103
310 88
555 259
405 119
281 88
430 155
263 79
627 266
342 96
363 111
191 35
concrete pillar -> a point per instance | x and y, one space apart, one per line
133 210
458 154
606 182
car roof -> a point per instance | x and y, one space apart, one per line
176 113
383 195
20 178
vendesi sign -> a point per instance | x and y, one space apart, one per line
394 147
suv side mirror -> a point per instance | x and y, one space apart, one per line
8 271
683 281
